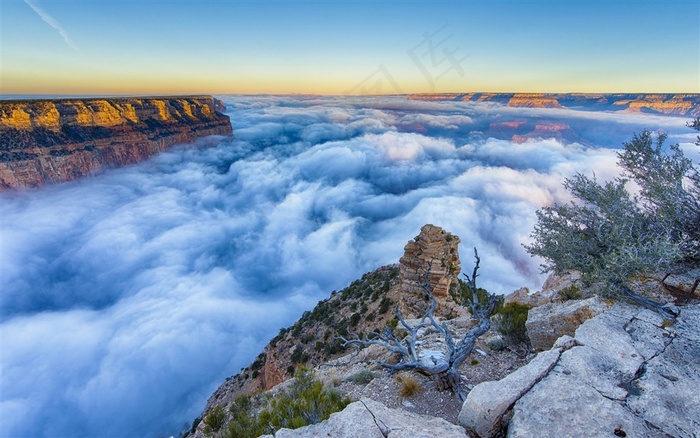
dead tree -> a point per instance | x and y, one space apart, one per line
445 370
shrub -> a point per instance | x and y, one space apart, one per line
333 347
299 355
384 305
611 236
305 402
474 362
409 385
497 345
462 294
354 319
214 420
362 377
510 322
570 293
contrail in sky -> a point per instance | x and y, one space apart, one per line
53 23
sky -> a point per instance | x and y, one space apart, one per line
129 296
112 47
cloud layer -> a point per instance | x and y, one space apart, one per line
128 297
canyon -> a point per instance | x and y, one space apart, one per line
596 367
667 104
58 140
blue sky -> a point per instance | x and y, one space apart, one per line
151 47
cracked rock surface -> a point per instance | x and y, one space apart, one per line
368 418
626 373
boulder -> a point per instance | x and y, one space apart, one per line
628 374
567 283
688 282
562 406
368 418
666 393
486 404
545 324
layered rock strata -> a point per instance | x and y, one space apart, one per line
52 141
433 252
670 104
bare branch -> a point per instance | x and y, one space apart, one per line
444 371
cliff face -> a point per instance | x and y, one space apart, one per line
52 141
433 251
670 104
364 306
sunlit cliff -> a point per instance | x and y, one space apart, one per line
52 141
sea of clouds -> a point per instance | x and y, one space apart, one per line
128 297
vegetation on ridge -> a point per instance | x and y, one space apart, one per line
611 235
304 402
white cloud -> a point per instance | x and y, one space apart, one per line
128 297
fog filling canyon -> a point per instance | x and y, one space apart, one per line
129 296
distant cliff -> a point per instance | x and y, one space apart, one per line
670 104
52 141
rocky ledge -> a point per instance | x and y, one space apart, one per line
52 141
603 368
625 372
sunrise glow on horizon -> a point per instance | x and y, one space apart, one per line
221 47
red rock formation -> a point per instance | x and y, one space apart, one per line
506 125
534 101
52 141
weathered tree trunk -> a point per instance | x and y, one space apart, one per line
445 373
666 310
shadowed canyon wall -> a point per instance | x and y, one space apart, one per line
52 141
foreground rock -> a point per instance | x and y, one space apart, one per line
484 410
546 324
52 141
627 372
367 419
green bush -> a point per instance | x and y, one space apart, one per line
299 355
462 295
214 420
362 377
510 322
611 235
305 402
497 345
384 305
570 293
